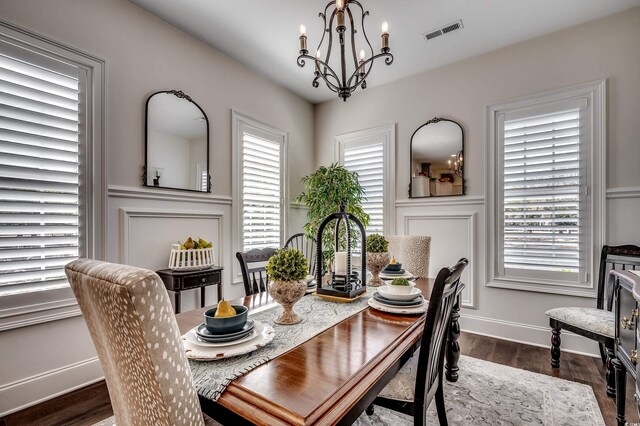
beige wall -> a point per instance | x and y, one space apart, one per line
144 54
605 48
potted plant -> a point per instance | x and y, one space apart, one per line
287 270
325 190
377 257
400 286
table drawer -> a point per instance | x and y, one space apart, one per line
201 280
627 323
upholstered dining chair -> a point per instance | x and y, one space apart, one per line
595 323
412 251
419 381
134 330
307 246
254 269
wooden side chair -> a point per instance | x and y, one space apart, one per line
307 246
419 381
412 251
254 270
134 330
595 323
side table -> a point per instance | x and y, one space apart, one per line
177 281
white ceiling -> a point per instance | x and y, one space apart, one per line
263 34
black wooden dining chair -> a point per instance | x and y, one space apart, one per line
307 246
254 269
595 323
419 381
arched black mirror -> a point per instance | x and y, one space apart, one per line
176 143
437 155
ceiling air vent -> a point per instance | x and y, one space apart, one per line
444 30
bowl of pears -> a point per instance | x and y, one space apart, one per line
225 318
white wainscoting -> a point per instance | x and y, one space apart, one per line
453 236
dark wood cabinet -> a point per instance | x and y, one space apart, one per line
177 281
627 298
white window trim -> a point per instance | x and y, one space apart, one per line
595 92
238 120
26 309
388 132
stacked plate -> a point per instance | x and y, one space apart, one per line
311 284
401 273
207 336
411 303
201 344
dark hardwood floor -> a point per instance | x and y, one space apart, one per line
91 404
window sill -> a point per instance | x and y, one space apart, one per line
538 287
25 309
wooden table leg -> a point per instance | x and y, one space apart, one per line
177 299
621 394
453 347
219 292
202 289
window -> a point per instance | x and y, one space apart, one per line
547 190
40 184
51 173
369 153
260 164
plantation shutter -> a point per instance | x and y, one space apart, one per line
543 189
368 162
261 192
39 177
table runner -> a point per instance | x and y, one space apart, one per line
211 378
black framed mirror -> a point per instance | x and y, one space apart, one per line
437 155
176 143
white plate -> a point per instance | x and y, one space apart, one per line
393 296
264 335
413 310
408 275
311 289
193 338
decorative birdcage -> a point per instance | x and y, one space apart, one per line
343 281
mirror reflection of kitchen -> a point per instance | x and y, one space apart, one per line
437 160
177 131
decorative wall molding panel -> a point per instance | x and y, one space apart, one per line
139 193
626 192
130 235
457 231
467 200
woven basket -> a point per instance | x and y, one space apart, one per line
183 260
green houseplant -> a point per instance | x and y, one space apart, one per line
325 190
287 269
377 257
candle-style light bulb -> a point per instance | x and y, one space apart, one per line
362 55
318 54
361 63
385 37
340 4
303 40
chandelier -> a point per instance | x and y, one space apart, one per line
339 14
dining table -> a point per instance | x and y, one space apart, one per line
330 378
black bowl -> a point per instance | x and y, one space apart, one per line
225 325
393 267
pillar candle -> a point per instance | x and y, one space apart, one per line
341 262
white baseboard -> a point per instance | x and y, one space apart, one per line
528 334
33 390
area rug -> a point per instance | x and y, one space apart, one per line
496 395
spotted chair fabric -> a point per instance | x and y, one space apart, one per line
131 321
412 251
